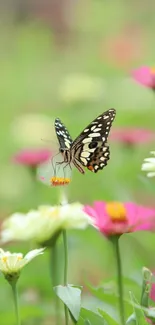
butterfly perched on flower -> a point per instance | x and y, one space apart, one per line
90 149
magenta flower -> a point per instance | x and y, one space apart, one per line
152 293
32 157
145 76
131 136
115 218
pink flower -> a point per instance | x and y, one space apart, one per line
124 48
152 293
32 157
113 218
145 76
132 136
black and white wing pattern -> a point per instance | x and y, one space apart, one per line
63 135
90 148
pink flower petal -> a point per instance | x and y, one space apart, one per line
143 76
132 135
137 218
32 157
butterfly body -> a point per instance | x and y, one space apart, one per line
90 148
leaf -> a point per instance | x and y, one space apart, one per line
109 301
131 320
100 293
71 297
87 322
87 317
151 314
138 311
108 318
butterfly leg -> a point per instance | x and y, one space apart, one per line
65 167
59 163
54 164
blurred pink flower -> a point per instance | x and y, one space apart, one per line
32 157
125 48
132 136
145 76
113 218
152 292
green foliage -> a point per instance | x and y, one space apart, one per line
140 318
90 318
71 297
108 318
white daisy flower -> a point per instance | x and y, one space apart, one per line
12 263
42 224
149 165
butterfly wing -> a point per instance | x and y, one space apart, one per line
90 148
63 135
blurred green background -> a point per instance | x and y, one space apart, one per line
73 60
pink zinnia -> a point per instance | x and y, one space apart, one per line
152 293
145 76
115 218
32 157
131 136
124 48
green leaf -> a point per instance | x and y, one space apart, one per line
100 293
87 322
138 311
151 313
109 301
107 317
87 317
71 297
131 320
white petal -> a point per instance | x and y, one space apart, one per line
150 160
148 167
151 174
29 256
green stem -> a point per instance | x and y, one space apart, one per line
65 271
115 241
15 297
54 276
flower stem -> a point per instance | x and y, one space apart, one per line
54 273
15 297
115 241
65 271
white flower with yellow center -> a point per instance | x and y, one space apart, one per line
149 165
12 263
42 224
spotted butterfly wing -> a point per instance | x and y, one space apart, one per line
90 148
63 135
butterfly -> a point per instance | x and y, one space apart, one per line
90 149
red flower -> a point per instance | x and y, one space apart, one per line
32 157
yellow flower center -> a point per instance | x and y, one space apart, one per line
58 181
4 259
152 70
116 211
